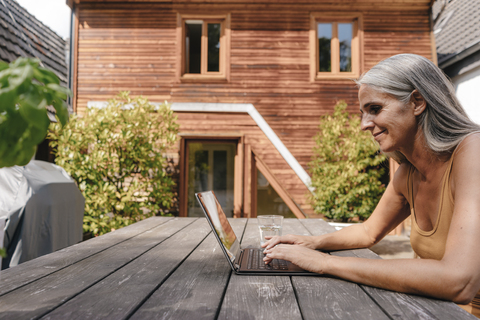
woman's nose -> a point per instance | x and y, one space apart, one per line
366 123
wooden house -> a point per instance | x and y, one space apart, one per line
249 80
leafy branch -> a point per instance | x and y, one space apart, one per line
26 89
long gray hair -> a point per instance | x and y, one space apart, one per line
444 122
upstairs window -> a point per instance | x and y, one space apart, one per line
205 42
335 46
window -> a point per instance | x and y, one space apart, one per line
335 46
268 200
204 47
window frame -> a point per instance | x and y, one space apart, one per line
224 60
357 45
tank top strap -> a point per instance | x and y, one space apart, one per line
445 180
410 185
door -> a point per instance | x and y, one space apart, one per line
210 166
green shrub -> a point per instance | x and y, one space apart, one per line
116 156
26 89
346 168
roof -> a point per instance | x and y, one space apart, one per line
456 29
21 34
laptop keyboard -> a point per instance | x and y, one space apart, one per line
255 261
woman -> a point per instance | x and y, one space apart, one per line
411 110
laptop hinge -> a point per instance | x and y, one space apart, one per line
239 259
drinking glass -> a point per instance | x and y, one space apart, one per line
269 225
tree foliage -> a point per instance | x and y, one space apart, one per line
26 89
346 169
117 157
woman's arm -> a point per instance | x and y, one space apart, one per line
433 278
392 209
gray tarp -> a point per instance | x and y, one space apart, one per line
43 209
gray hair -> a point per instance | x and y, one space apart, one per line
444 122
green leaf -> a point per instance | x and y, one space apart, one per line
33 110
21 77
61 111
7 98
3 253
61 92
3 65
46 76
23 116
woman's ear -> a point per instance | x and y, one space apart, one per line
419 103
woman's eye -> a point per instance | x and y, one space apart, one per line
374 110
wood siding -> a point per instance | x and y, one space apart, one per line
133 46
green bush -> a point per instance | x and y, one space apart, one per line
346 168
117 157
26 89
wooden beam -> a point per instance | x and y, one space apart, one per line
247 182
183 176
238 180
76 35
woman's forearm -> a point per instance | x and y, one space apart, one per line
415 276
352 237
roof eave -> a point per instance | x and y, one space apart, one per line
455 57
70 3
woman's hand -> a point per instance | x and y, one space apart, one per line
304 241
302 256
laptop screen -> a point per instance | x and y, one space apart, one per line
220 223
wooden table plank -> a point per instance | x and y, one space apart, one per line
32 270
122 292
258 297
195 290
397 305
49 292
329 298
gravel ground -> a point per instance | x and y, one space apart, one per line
394 247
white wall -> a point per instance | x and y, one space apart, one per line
468 92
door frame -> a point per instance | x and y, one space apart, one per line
238 171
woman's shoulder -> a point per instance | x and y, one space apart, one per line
466 159
401 177
465 182
470 146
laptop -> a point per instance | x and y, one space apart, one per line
247 261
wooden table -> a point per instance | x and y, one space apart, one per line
173 268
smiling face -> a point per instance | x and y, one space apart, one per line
392 123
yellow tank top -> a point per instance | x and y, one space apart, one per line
431 244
